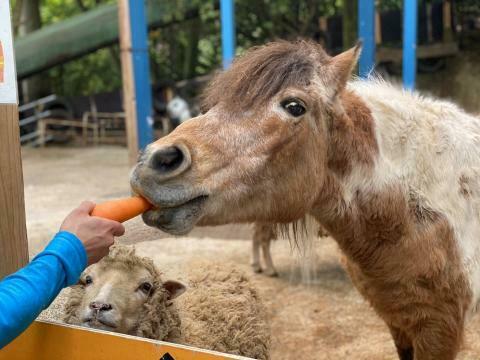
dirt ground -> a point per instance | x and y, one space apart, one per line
315 312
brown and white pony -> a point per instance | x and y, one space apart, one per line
391 175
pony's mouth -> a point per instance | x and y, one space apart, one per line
178 219
177 207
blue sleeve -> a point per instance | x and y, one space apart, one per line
24 294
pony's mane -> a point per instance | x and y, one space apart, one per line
262 72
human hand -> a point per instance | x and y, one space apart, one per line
96 234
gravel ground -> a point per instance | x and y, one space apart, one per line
315 312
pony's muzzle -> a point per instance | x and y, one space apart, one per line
170 161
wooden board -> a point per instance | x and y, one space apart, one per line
129 100
13 234
48 341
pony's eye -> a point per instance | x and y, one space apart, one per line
294 107
146 287
88 280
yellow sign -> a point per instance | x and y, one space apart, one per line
8 76
48 341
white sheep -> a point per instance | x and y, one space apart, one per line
220 309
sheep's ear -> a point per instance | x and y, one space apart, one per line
174 288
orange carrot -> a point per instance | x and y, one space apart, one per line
123 209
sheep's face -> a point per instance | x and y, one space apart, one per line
119 293
114 298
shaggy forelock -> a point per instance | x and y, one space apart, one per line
262 72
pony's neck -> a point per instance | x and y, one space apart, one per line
352 157
351 135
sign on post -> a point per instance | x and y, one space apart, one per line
8 81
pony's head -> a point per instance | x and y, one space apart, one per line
259 151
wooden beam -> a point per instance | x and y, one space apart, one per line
447 21
49 341
127 80
13 233
378 28
137 93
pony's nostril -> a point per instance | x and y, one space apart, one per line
95 305
167 159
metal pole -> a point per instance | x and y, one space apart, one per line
409 43
228 31
141 72
366 33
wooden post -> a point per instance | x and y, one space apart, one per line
135 76
447 21
13 233
378 28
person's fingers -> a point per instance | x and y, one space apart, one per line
86 207
116 228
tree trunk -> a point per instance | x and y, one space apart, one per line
17 13
349 24
30 20
191 53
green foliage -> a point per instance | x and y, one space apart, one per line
94 73
191 45
58 10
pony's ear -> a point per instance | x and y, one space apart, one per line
343 64
174 288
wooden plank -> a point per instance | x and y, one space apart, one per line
13 233
447 21
378 28
129 100
48 341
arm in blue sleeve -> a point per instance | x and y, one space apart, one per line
24 294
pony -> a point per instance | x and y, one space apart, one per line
393 177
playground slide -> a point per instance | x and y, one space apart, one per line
75 37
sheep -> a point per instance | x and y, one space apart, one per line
125 293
